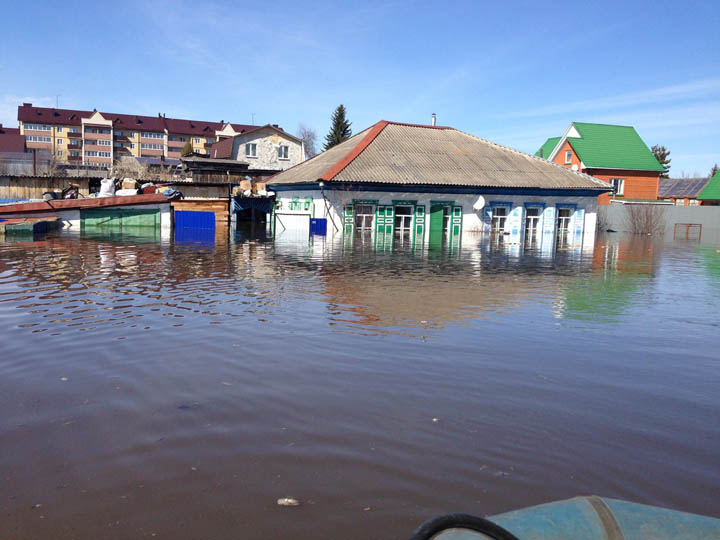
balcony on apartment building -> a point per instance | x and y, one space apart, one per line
74 158
74 135
74 145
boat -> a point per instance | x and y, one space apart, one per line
587 518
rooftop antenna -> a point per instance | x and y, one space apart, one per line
57 100
253 119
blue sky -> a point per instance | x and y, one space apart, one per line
513 72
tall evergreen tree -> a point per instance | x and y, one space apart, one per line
187 149
662 154
340 130
713 170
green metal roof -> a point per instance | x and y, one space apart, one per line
548 147
612 147
712 189
603 146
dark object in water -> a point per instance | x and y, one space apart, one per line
610 230
589 518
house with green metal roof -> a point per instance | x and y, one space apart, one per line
615 154
710 195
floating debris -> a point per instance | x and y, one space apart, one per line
288 501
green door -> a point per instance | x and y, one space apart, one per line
436 226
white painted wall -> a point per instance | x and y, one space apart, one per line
582 225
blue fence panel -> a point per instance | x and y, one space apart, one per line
187 219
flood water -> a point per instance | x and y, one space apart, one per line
163 389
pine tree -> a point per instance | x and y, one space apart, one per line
187 149
662 155
340 130
714 170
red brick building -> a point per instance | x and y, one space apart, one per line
615 154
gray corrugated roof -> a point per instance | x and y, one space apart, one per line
409 154
679 188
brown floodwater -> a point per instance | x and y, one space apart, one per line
178 389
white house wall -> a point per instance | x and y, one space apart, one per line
581 230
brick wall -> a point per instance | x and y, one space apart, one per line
560 157
638 184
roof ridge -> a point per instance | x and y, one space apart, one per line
358 149
543 160
602 124
429 126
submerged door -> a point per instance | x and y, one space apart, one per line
437 225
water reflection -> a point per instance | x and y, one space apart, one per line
118 278
146 380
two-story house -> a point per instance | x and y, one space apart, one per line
615 154
267 148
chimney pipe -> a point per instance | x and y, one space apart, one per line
434 119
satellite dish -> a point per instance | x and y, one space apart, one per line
480 203
575 167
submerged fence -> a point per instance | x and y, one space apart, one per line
678 222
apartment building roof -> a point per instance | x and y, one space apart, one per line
133 121
395 153
47 115
11 140
192 127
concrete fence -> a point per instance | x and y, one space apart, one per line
675 222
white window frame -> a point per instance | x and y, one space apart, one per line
59 129
59 153
532 224
59 141
251 147
568 157
364 222
284 152
498 222
618 185
198 140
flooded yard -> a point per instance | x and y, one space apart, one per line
168 389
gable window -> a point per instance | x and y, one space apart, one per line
251 150
283 151
568 157
618 185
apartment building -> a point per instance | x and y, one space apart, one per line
99 138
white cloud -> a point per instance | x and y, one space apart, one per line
676 92
9 104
